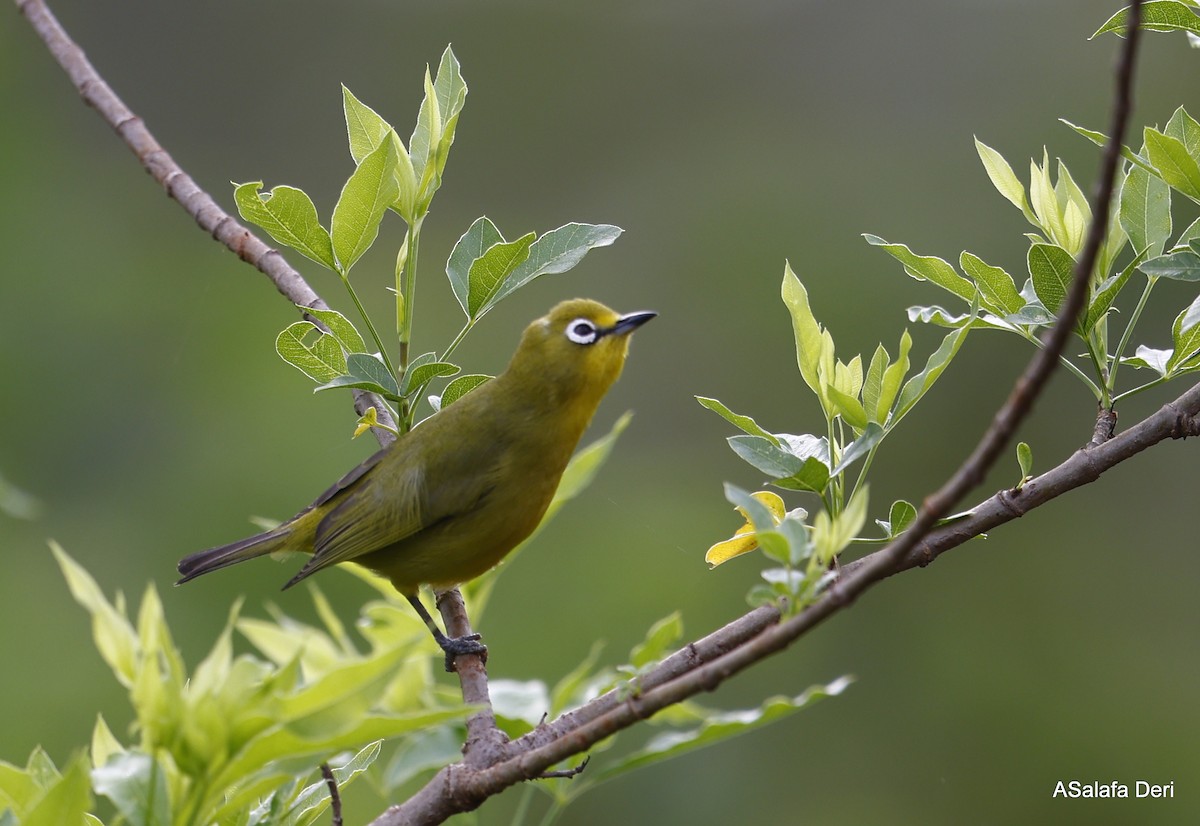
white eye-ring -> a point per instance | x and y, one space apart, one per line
582 331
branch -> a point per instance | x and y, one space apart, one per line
180 186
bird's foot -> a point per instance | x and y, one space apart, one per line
455 647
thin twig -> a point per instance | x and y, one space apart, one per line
566 774
335 798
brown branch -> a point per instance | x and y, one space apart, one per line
335 797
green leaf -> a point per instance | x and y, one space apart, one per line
718 726
430 148
420 752
1178 266
848 407
919 385
112 632
1100 139
1044 201
424 369
556 252
900 516
1159 16
831 535
364 128
926 268
461 386
1184 128
1024 460
488 273
1145 211
340 328
365 372
766 455
1106 293
471 246
368 193
797 463
519 704
660 640
289 216
321 360
1004 179
892 377
569 690
1150 358
1185 333
811 345
1170 157
313 800
742 423
137 785
280 742
1076 211
479 237
1052 268
873 383
65 801
1192 233
940 316
997 286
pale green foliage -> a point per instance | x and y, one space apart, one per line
238 739
1140 228
224 743
1158 16
860 408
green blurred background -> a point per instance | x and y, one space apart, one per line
144 405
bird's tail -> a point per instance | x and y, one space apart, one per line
214 558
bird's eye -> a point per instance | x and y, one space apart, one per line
581 331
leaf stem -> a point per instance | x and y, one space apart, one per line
362 312
1065 362
457 340
1151 280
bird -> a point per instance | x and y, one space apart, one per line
447 500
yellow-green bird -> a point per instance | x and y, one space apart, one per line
446 501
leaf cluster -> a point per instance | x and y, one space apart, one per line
1138 247
483 268
236 740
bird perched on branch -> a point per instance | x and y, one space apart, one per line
449 499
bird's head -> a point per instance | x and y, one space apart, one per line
577 349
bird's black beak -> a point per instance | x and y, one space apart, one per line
631 321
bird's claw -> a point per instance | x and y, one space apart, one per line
468 644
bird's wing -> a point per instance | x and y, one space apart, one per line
383 504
